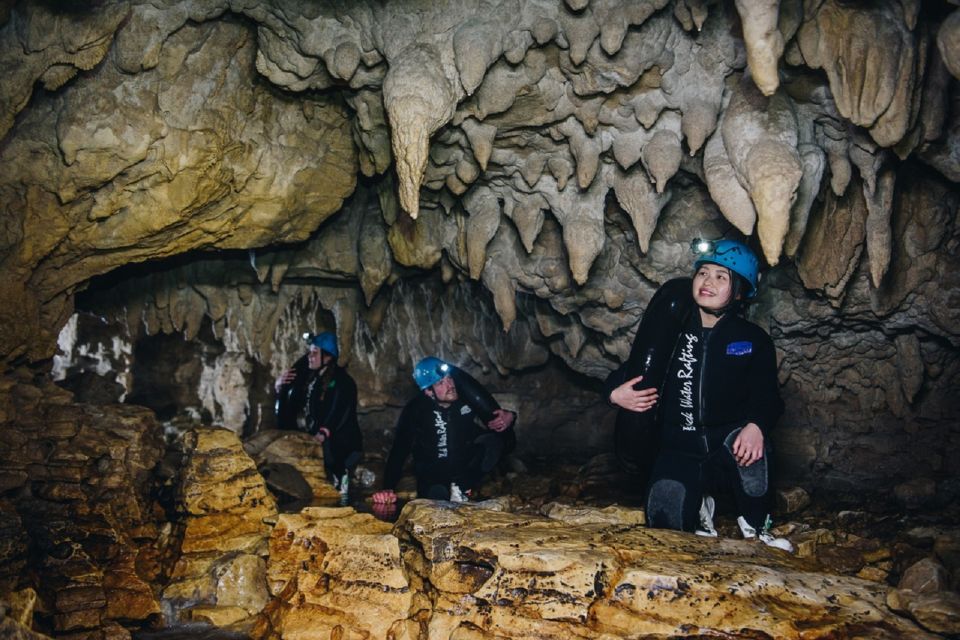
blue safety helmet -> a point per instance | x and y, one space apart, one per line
731 254
430 371
326 341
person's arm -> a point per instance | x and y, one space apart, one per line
475 395
748 445
286 377
402 445
627 397
652 345
385 496
291 390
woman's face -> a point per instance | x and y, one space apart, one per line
318 359
712 286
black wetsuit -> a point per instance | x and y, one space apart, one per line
712 383
331 406
637 434
448 445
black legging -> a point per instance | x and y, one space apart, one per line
337 462
680 479
487 450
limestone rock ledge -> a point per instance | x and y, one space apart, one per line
466 571
77 522
227 513
336 573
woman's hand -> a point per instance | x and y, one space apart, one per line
284 378
748 447
627 397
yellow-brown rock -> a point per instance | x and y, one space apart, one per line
334 573
465 571
227 518
87 514
626 579
121 172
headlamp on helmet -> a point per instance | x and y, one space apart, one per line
430 371
733 255
699 246
325 341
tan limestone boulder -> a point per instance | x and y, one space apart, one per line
512 576
330 569
227 516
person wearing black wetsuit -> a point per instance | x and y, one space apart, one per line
713 392
455 430
319 396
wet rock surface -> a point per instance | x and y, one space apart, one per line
581 572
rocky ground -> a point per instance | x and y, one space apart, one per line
905 541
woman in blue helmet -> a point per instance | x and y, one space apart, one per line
318 384
708 378
455 430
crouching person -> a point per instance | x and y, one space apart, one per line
716 399
455 430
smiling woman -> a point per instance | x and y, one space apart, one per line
718 400
511 181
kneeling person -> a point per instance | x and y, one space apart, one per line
322 393
456 431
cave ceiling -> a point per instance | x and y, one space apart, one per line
560 154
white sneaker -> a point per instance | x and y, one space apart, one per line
706 528
770 540
456 495
342 485
767 538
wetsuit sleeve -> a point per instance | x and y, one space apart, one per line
402 445
475 394
765 406
292 397
656 335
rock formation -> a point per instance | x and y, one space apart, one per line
469 571
77 507
188 186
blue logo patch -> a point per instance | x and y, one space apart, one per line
739 348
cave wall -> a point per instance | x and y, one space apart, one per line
504 183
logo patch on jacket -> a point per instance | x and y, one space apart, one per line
739 348
465 409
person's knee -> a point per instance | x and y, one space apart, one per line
665 502
352 459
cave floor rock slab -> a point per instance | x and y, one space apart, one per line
491 574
